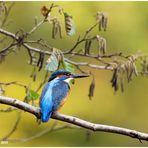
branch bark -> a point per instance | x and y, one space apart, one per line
76 121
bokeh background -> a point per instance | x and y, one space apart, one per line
127 32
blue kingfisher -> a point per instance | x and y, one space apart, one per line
55 92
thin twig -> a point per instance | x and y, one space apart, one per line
143 73
5 50
36 49
81 40
3 39
6 15
13 128
39 43
9 109
41 133
89 30
13 83
94 56
35 27
41 22
107 67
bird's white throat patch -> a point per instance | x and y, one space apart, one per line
68 80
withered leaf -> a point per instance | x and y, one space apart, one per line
44 11
87 46
34 74
91 88
54 60
40 61
102 20
69 24
56 28
102 45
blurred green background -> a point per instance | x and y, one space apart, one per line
127 32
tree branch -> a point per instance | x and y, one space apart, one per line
108 67
76 121
12 35
30 48
21 105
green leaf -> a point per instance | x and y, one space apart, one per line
72 81
52 63
32 95
69 67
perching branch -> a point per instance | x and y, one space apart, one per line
74 120
21 105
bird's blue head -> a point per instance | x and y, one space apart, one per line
65 75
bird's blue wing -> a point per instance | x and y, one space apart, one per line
43 91
59 92
46 103
52 95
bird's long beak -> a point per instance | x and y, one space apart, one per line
80 75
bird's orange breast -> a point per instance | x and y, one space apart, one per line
63 101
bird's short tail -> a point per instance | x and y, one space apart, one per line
45 117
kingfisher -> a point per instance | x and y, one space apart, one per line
55 92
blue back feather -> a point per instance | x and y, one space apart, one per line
52 95
46 103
